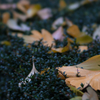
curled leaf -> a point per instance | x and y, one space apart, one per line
33 71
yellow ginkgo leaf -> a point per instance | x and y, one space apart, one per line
77 98
61 50
47 37
76 76
33 10
74 31
76 91
92 63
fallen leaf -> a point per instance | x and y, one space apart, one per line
57 22
5 17
12 24
82 48
74 31
96 33
86 77
7 6
62 4
23 5
84 39
47 38
76 91
74 6
81 38
19 16
33 71
6 43
45 13
77 98
58 34
32 11
61 50
91 64
90 95
84 2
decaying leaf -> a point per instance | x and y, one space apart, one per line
12 24
58 34
44 13
33 71
90 94
33 10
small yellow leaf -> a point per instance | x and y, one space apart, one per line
74 31
77 98
76 91
47 38
84 39
6 43
61 50
62 4
5 17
